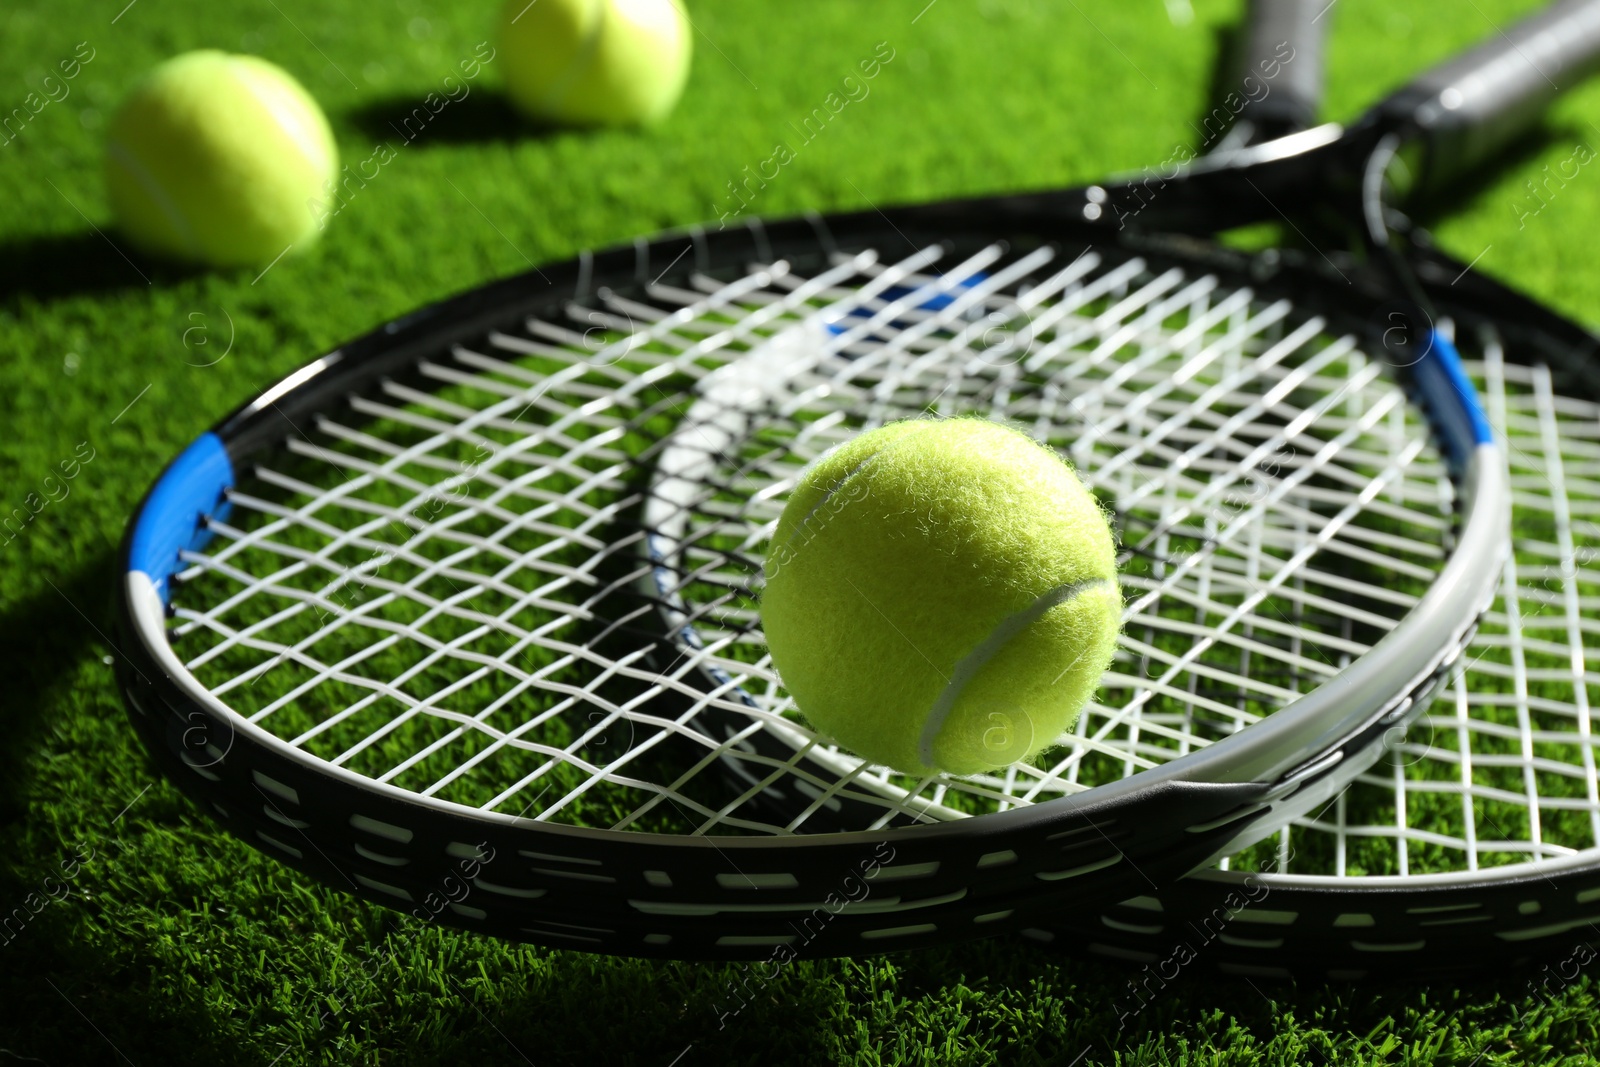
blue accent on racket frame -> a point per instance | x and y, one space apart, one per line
1441 377
173 517
936 302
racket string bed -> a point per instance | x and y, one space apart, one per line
483 586
439 587
1501 769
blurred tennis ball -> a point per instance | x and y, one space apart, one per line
214 158
942 595
595 62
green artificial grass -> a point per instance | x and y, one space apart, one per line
156 938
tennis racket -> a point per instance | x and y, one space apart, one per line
463 617
1288 101
1474 844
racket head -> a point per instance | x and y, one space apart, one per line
1473 846
658 892
1477 900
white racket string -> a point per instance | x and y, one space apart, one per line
1501 770
438 587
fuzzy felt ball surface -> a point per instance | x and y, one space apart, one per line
219 159
941 594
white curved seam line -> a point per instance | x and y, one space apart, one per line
836 488
582 59
832 492
291 118
1288 570
986 650
153 190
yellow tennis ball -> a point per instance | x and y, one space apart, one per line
941 595
595 62
216 158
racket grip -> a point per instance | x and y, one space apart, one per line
1466 110
1283 63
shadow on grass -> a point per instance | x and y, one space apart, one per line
481 117
67 999
1018 1002
44 636
451 997
1215 119
79 263
1458 195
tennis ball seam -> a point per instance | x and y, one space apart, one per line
974 661
582 59
804 524
1033 609
279 102
157 194
835 489
211 159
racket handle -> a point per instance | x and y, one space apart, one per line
1283 63
1466 110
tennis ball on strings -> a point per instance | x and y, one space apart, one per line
941 595
595 62
215 158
